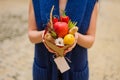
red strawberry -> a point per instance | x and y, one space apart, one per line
64 18
55 19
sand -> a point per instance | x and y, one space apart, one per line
16 52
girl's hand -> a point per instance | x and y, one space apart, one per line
66 51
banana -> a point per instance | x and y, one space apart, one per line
73 30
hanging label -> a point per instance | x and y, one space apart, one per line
62 64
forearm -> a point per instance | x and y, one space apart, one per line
85 40
35 36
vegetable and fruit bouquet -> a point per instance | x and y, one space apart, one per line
60 33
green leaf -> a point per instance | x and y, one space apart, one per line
71 24
53 34
63 13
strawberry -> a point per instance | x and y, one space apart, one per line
54 19
64 18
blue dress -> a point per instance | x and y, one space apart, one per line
44 68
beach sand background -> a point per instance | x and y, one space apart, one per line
16 52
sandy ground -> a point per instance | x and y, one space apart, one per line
16 52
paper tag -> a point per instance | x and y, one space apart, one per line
62 64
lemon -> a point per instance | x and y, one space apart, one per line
69 39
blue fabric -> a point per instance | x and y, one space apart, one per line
44 67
